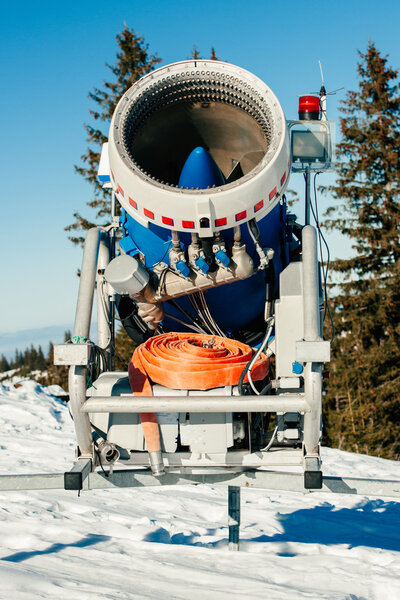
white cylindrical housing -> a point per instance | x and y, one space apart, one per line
222 108
126 275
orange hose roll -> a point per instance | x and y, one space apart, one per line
188 361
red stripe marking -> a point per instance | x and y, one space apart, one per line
148 213
121 191
220 222
188 224
273 193
112 175
259 205
167 221
283 178
132 202
241 215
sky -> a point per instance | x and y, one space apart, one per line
54 53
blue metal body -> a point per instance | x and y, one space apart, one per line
200 171
233 306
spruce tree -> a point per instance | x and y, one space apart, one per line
41 361
133 60
4 364
362 407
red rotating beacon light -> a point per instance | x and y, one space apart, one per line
309 108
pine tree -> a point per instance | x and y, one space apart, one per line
4 364
41 361
31 357
124 349
362 409
132 62
195 54
18 360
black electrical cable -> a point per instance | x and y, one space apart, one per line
266 389
270 289
243 374
96 449
187 314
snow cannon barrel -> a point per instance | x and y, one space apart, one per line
199 147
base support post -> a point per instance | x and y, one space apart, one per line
73 479
233 516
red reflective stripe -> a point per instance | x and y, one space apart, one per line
241 215
132 202
220 222
283 178
273 193
188 224
121 191
259 205
167 221
148 213
112 175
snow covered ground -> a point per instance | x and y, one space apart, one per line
171 543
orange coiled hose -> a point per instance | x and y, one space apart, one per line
188 361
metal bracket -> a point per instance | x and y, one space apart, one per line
72 354
313 351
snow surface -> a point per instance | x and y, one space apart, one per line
171 543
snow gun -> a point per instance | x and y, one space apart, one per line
214 281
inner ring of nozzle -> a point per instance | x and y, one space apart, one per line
177 114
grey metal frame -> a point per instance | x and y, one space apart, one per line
81 477
249 478
96 256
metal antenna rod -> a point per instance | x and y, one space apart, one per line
322 75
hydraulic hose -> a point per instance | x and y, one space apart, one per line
187 361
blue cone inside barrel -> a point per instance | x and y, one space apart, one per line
200 171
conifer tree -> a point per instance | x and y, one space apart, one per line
124 349
362 409
132 62
195 54
4 364
41 361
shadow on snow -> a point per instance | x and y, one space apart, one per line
371 523
88 540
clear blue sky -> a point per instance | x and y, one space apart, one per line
54 53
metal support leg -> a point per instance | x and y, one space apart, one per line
233 516
313 370
73 479
77 395
104 328
77 374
